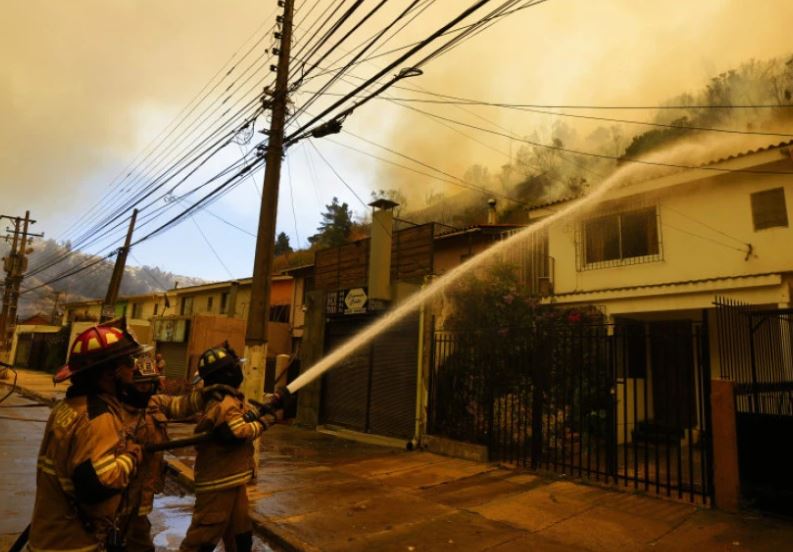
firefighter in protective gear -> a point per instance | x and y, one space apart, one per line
149 414
225 464
87 459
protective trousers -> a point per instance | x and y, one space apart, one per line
220 514
139 535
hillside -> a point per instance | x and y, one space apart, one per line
89 284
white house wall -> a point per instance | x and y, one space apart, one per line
694 219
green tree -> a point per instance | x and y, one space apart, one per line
282 244
334 230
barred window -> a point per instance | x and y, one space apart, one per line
621 236
769 209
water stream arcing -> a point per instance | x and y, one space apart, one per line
439 284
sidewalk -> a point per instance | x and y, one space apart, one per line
319 492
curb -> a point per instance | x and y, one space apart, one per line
279 536
261 525
29 394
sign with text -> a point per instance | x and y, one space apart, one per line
347 301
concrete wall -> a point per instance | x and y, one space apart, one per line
208 331
693 218
312 349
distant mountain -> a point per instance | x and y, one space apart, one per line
88 284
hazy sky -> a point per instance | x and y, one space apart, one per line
85 85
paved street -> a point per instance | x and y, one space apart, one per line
320 492
19 442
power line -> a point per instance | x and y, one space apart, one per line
209 244
454 30
184 113
294 136
292 198
597 155
148 273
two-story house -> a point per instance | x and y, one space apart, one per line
668 255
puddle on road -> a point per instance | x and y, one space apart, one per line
171 518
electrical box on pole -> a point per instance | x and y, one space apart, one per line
259 311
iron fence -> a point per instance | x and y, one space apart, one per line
756 352
625 403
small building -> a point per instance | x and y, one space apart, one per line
376 390
205 315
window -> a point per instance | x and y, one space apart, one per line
136 310
210 301
621 236
279 313
224 302
186 308
769 209
156 308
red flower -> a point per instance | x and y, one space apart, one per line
574 317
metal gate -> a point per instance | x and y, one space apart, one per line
625 403
374 389
756 352
175 357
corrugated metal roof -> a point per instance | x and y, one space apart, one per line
748 152
738 155
477 228
553 202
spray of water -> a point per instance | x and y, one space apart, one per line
439 284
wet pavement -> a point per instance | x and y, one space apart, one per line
21 429
320 492
171 518
19 445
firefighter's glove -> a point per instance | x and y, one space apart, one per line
251 416
135 450
275 402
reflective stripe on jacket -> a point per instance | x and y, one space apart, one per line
153 430
226 461
81 472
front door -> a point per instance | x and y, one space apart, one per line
672 368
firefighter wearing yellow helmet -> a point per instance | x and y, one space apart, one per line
87 459
225 464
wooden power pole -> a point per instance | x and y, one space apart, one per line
15 265
108 307
259 310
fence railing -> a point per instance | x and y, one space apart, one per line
622 403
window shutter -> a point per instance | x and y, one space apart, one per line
769 209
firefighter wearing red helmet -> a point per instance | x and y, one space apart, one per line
150 413
225 464
87 458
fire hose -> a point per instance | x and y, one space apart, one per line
276 401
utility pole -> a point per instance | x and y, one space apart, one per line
108 307
55 308
15 265
259 310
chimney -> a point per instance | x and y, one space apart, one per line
380 249
491 211
231 305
